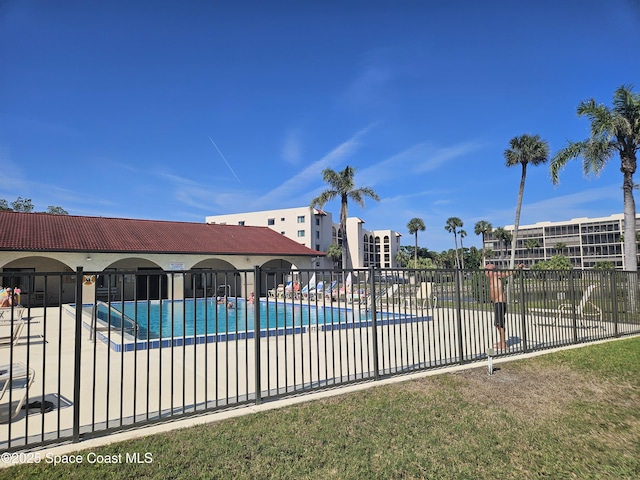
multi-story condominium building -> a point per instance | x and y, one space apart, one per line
585 241
315 229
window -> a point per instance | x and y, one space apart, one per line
300 218
241 223
317 234
282 219
271 221
301 233
317 222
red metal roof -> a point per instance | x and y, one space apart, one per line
67 233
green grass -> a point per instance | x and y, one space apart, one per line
571 414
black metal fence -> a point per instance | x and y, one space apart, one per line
96 352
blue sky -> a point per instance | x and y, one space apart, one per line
178 110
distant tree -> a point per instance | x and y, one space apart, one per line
531 243
557 262
341 185
26 206
56 210
503 236
613 130
452 226
22 205
414 226
604 265
483 228
473 258
334 252
402 257
526 149
559 247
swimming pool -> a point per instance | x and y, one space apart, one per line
167 319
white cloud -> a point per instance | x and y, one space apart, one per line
415 160
300 182
292 149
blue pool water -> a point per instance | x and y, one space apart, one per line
168 319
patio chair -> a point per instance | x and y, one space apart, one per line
387 297
11 329
15 380
5 312
425 297
585 309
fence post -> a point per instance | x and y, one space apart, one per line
458 274
374 322
523 313
614 300
76 355
574 314
257 287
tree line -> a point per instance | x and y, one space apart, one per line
25 205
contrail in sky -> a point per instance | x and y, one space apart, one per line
225 160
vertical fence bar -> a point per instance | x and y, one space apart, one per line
76 356
459 316
614 300
374 323
523 313
572 298
257 287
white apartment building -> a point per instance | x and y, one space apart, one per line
585 241
314 228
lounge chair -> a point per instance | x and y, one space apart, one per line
585 309
386 297
426 295
15 380
423 298
5 312
317 291
11 328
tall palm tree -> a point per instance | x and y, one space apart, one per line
526 149
483 228
341 186
462 233
452 225
414 226
613 130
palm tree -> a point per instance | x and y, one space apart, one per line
414 226
341 186
613 130
503 236
483 228
531 243
524 150
453 223
559 247
462 233
334 252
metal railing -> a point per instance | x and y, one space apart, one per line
98 352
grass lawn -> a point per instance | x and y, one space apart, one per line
572 414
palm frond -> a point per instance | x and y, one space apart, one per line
558 162
595 155
324 198
627 103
